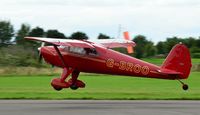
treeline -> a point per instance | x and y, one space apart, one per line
16 51
146 48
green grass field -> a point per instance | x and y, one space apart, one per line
99 87
159 61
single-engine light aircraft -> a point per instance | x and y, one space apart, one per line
76 56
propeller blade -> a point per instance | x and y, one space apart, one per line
127 37
40 58
52 66
40 55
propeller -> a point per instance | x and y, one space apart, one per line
127 37
40 54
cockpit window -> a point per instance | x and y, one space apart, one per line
91 51
81 51
77 50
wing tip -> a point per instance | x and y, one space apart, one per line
28 37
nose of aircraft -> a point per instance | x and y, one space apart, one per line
47 53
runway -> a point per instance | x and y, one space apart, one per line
98 107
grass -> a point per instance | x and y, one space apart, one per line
99 87
159 61
156 61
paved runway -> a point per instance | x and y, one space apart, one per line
100 107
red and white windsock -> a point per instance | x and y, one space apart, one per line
127 37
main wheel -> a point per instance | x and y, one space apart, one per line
57 88
185 87
74 87
53 84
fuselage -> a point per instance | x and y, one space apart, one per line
101 60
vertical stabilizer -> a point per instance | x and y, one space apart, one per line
179 60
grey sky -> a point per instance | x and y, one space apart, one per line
156 19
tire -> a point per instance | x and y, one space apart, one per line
57 88
74 87
185 87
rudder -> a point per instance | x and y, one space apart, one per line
179 60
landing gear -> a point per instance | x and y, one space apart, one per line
184 86
57 88
74 82
77 84
74 87
60 83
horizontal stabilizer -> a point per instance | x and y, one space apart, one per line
168 72
127 37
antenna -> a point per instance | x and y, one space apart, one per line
119 31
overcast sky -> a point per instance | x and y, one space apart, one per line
156 19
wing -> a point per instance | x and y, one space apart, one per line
62 42
114 43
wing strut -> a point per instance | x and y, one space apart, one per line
60 55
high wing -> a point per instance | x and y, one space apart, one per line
114 43
108 43
63 42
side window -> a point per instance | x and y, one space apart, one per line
77 50
81 51
91 51
65 48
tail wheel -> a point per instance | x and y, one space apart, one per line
185 87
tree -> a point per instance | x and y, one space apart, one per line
189 42
170 42
103 36
23 32
144 48
37 32
161 48
79 36
140 41
150 49
54 34
198 42
17 55
6 32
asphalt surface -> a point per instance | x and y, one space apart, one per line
100 107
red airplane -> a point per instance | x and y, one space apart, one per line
76 56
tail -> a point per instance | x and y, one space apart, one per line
178 60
